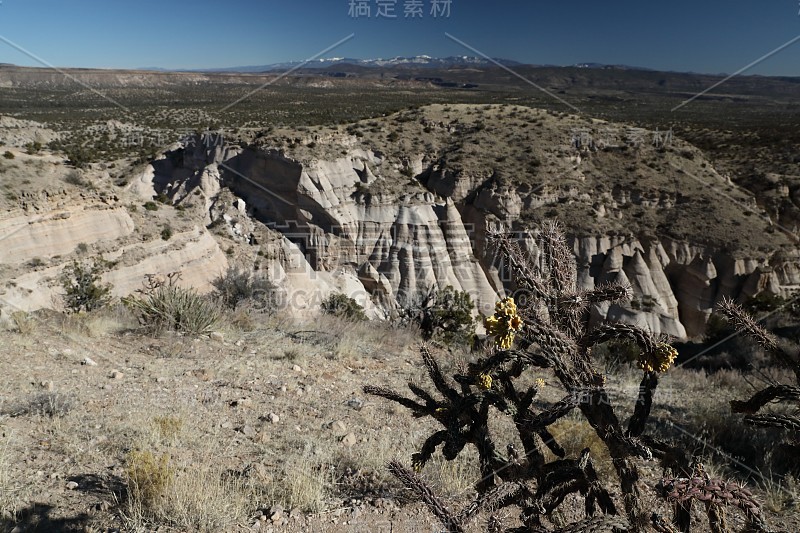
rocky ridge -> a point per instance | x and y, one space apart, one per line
387 216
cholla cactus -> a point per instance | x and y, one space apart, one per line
550 332
504 324
781 393
716 495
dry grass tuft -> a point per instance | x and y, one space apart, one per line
168 427
23 323
301 483
49 404
575 435
11 491
148 476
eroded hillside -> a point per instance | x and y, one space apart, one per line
390 207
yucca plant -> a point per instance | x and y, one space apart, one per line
546 326
164 305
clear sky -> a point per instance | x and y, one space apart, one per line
713 36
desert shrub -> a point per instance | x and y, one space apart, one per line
163 305
82 288
78 157
150 206
33 148
163 198
49 404
238 286
8 155
148 477
445 314
166 232
339 304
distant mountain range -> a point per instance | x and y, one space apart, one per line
422 61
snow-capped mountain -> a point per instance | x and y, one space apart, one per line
415 61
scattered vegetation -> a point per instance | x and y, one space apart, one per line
83 290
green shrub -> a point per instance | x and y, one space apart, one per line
8 155
150 206
445 314
33 148
166 233
239 286
166 306
340 304
82 288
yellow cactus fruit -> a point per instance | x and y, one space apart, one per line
485 381
504 324
660 361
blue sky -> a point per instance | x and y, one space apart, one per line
713 36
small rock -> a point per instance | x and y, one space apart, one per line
272 417
338 427
71 485
262 472
217 336
226 425
161 379
47 385
116 374
203 374
349 439
240 342
88 361
248 431
242 402
297 368
355 403
276 514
